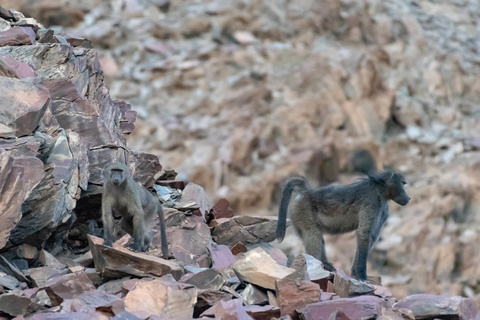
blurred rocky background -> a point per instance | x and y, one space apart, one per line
237 95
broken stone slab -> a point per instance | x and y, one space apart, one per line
208 298
254 295
146 166
17 36
10 269
232 309
189 238
113 286
9 282
20 172
293 294
257 267
247 230
195 193
209 279
40 275
363 307
315 269
222 257
125 315
263 312
68 286
23 105
423 306
346 287
90 301
85 259
164 297
13 68
62 316
272 251
118 262
14 305
221 209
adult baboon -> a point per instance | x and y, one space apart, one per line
136 205
360 206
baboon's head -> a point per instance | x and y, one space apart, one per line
116 173
393 184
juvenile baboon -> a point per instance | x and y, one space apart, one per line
136 205
360 206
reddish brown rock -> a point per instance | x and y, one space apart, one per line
231 310
40 275
221 209
431 306
118 262
293 294
175 184
17 36
164 297
263 312
346 287
68 286
13 68
364 307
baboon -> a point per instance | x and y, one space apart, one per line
136 205
360 206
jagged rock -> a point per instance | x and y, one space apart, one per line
118 262
40 275
90 301
315 269
189 239
429 305
13 68
346 287
14 305
293 294
67 286
232 309
263 312
62 316
209 279
364 307
164 297
195 193
221 209
273 252
17 36
246 230
222 257
257 267
174 184
9 282
253 295
208 298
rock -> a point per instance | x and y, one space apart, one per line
90 301
272 251
257 267
13 68
208 298
40 275
174 184
62 316
14 305
263 312
164 297
346 287
222 257
246 230
9 282
118 262
253 295
364 307
293 294
429 305
67 286
316 272
85 260
195 193
189 239
209 279
221 209
231 310
146 166
17 36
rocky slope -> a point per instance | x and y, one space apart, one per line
237 95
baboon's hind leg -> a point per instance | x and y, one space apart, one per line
315 245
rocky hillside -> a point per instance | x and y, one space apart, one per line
237 95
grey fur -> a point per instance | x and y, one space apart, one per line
136 205
360 206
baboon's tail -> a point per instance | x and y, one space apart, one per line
299 183
163 233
